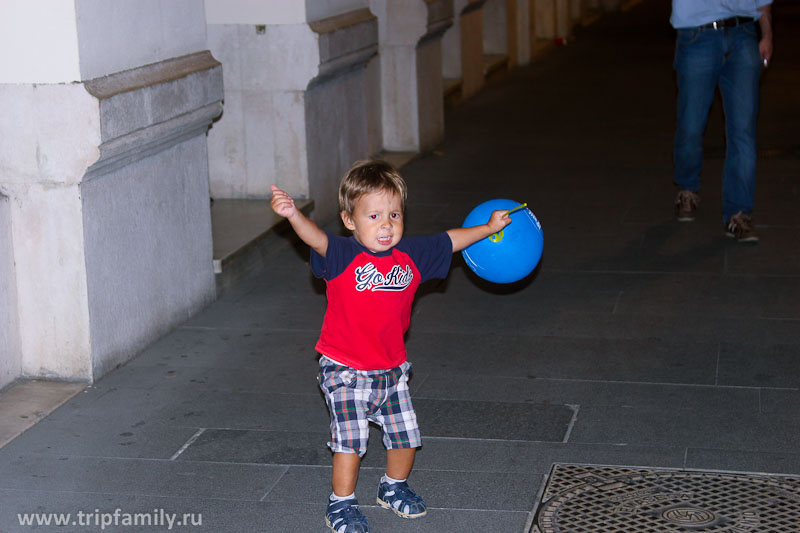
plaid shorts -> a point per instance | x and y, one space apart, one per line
357 397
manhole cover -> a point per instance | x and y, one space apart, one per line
602 499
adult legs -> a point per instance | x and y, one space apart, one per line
739 85
698 61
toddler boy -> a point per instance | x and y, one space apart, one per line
371 279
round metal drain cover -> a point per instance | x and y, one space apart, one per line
595 499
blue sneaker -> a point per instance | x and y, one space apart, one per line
401 499
344 517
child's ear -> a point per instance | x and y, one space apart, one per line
347 219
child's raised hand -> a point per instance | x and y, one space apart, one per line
498 221
281 202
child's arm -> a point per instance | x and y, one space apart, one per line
305 228
463 237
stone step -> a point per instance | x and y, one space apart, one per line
241 229
26 402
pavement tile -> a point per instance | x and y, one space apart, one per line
780 401
651 359
229 516
699 429
108 422
237 410
240 347
493 420
488 491
713 295
588 392
109 437
743 461
764 365
535 457
262 379
144 477
262 447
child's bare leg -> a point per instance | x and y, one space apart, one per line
345 473
394 493
399 462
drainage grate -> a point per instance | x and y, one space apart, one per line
601 499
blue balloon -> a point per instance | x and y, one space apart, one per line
511 254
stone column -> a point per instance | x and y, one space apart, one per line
495 28
10 360
104 163
298 98
519 32
564 20
336 100
576 11
462 47
410 51
544 13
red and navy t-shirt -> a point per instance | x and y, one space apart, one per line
370 296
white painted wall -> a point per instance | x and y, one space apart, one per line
255 12
125 34
276 11
266 130
10 356
38 42
260 138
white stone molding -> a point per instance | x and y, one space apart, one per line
345 42
152 108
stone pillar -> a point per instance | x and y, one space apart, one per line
10 360
105 166
336 104
564 20
519 32
462 47
576 11
495 28
544 14
410 51
298 98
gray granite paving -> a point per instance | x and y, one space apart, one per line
638 341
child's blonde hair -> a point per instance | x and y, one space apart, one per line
366 177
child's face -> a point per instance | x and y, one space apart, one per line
377 220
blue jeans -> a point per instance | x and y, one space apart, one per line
728 57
